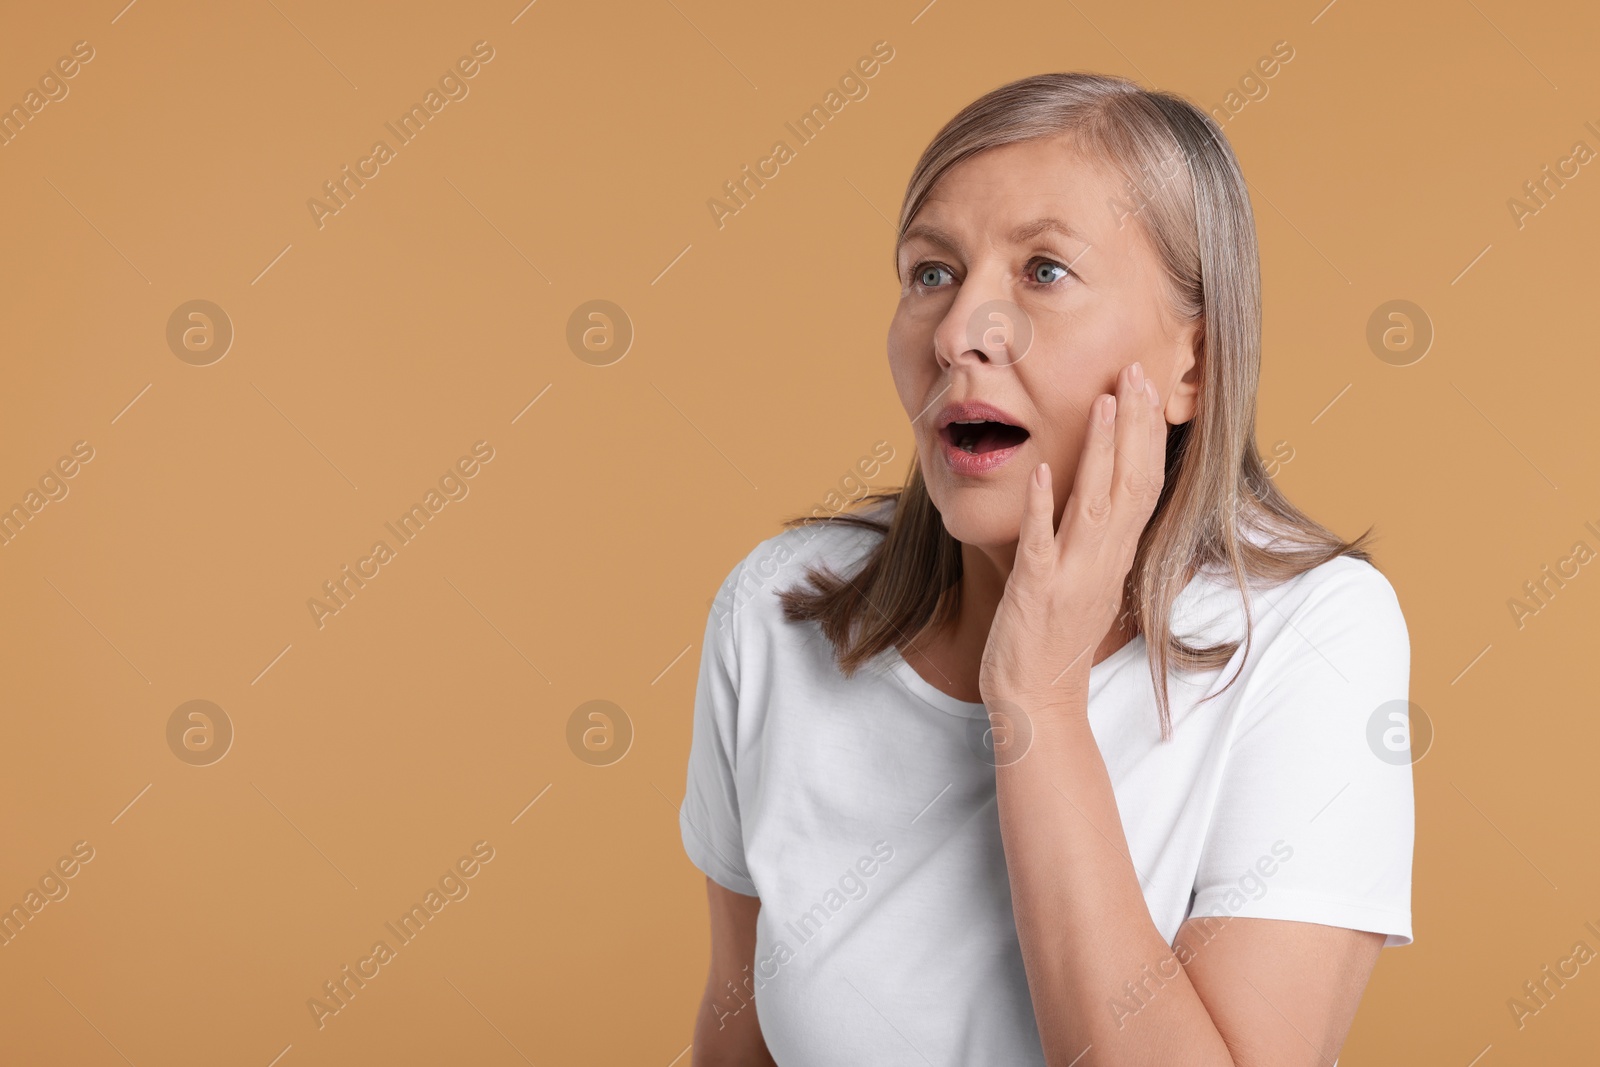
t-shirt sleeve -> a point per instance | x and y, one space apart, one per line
709 819
1314 817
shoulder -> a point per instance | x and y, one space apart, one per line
1315 753
1328 649
749 596
1342 586
1342 593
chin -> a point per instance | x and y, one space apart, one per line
983 516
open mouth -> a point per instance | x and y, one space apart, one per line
980 437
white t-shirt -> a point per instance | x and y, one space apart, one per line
862 811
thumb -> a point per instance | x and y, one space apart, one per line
1037 539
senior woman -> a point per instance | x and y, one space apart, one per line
1062 753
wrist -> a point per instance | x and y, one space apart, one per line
1063 703
1037 738
1069 690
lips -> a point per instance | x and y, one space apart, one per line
978 437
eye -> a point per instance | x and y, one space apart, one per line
1046 272
1041 273
927 274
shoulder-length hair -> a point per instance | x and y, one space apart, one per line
1217 493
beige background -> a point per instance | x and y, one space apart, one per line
427 314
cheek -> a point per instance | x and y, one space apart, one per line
909 366
1081 355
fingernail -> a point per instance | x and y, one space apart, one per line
1150 391
1108 410
1041 475
1136 375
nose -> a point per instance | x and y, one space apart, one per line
982 326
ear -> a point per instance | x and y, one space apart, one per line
1188 362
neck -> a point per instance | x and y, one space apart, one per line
951 658
984 572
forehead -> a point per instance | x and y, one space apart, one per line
987 198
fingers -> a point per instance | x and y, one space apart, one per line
1159 432
1158 440
1083 526
1036 542
1133 479
1121 468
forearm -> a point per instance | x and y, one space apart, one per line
1081 917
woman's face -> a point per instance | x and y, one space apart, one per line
1033 320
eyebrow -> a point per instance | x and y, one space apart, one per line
1025 232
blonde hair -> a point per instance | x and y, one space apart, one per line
1198 220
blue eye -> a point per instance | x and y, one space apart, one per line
1041 273
1046 264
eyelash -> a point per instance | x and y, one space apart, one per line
916 272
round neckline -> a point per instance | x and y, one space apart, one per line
931 694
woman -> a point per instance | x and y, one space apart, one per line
972 789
